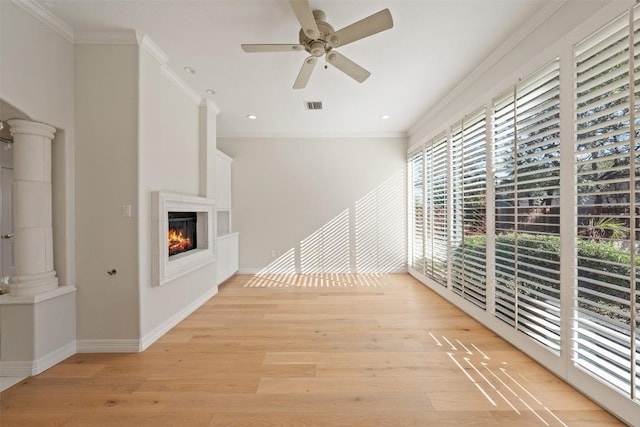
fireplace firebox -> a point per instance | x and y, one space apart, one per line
191 244
183 232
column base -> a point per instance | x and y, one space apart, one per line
22 286
37 332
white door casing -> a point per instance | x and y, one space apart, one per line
6 223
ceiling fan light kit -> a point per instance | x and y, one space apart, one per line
319 39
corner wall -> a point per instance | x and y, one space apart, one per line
36 78
106 100
173 132
323 205
118 118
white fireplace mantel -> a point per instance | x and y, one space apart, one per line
165 268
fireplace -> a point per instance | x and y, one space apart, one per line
183 235
183 232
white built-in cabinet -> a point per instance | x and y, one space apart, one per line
226 240
227 246
223 181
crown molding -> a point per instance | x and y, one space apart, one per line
110 37
175 79
278 135
154 50
520 34
106 37
145 42
122 37
46 17
207 103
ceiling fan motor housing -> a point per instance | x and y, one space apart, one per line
318 47
319 39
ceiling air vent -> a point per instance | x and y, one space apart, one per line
313 105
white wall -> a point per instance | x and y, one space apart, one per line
169 150
106 101
143 135
36 77
323 204
208 142
119 118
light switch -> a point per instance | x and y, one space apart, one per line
126 211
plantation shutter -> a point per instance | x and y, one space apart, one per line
439 178
634 213
504 166
607 205
469 208
527 198
457 213
428 211
538 205
416 170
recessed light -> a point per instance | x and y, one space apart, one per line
385 117
189 70
252 117
210 92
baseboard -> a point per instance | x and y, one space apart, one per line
266 271
16 368
26 368
136 346
221 280
166 326
108 346
55 357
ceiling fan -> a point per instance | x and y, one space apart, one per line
319 39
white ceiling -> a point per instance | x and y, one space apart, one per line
433 45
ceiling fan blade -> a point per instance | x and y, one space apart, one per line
305 16
347 66
251 48
305 72
364 28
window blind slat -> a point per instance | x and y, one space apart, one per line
526 173
603 284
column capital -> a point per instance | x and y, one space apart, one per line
20 126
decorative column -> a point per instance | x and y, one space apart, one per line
32 217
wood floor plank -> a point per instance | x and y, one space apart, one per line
133 418
344 403
424 419
390 384
308 350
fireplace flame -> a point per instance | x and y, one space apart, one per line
177 242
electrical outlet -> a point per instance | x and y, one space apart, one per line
273 253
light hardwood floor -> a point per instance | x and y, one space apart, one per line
304 350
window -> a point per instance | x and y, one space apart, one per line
439 256
468 234
593 290
416 171
430 210
527 197
606 340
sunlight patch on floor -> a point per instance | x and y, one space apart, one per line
495 383
275 280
